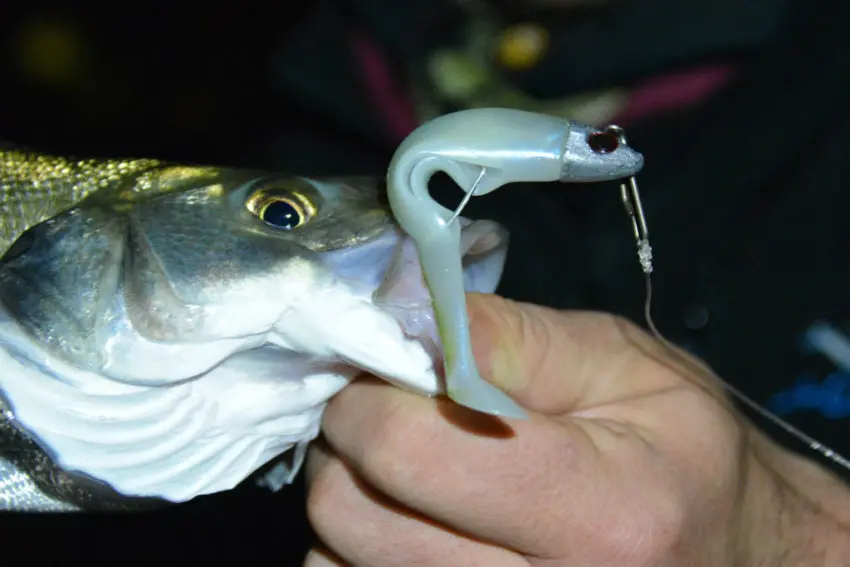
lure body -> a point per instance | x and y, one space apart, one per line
482 150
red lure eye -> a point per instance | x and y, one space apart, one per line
603 142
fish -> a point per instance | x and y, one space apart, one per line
168 331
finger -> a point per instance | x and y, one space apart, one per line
323 558
545 486
554 361
369 530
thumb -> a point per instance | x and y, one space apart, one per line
547 360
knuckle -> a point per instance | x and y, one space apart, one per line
624 328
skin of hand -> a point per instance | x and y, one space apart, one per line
623 462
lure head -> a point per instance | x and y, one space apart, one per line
591 154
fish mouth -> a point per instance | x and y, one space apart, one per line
392 330
404 293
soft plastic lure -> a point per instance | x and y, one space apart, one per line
482 150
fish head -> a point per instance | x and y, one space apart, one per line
231 304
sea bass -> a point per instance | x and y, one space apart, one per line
168 330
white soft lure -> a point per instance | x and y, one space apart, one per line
482 150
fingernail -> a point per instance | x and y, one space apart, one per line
505 367
497 357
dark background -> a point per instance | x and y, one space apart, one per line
746 193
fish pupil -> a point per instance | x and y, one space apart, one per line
281 214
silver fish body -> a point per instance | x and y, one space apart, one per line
168 330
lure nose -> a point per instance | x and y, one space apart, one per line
592 155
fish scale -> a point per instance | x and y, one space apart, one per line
19 490
35 187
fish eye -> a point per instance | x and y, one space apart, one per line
282 213
603 142
280 208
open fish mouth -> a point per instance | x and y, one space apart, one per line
398 290
215 418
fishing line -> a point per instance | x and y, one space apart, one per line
631 200
812 443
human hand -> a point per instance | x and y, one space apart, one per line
623 462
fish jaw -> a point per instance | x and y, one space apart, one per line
369 311
399 341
